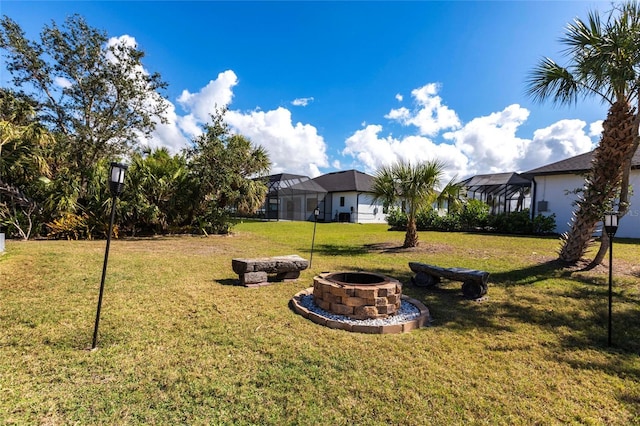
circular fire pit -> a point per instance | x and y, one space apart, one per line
357 295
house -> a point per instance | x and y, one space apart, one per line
555 189
349 198
340 197
503 192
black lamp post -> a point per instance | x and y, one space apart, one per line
116 185
316 213
610 227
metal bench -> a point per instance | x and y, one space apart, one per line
474 282
253 272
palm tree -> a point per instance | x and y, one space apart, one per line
415 184
604 59
22 161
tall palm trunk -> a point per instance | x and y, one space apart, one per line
603 180
411 237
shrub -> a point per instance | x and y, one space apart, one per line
427 220
474 215
543 225
70 226
397 219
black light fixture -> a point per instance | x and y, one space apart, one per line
610 227
316 213
116 186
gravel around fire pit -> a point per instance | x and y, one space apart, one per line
407 312
411 315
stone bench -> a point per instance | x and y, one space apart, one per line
474 282
253 272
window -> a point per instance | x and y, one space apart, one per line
341 201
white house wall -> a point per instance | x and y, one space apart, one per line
357 206
559 193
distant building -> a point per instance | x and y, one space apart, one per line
340 197
349 198
555 186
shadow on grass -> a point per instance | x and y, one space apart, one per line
340 250
531 274
579 326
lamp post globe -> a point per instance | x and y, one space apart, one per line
116 178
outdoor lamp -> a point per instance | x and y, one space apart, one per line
116 178
611 223
116 186
610 227
316 213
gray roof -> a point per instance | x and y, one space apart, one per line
287 183
575 165
349 180
496 179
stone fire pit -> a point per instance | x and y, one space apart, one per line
357 295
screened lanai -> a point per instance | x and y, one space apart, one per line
292 197
503 192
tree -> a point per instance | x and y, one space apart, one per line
163 192
604 62
93 93
224 166
415 184
22 161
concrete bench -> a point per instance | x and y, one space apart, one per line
474 282
253 272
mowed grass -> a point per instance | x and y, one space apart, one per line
179 343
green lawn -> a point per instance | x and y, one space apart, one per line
180 344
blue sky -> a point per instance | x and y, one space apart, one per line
327 86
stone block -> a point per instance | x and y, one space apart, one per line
340 309
366 312
323 304
391 329
253 278
339 325
380 301
353 301
366 293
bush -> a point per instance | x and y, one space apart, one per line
543 225
474 215
427 220
521 223
397 219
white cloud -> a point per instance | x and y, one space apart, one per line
62 82
430 116
293 148
374 151
487 144
302 101
399 97
490 143
216 94
563 139
168 134
595 129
